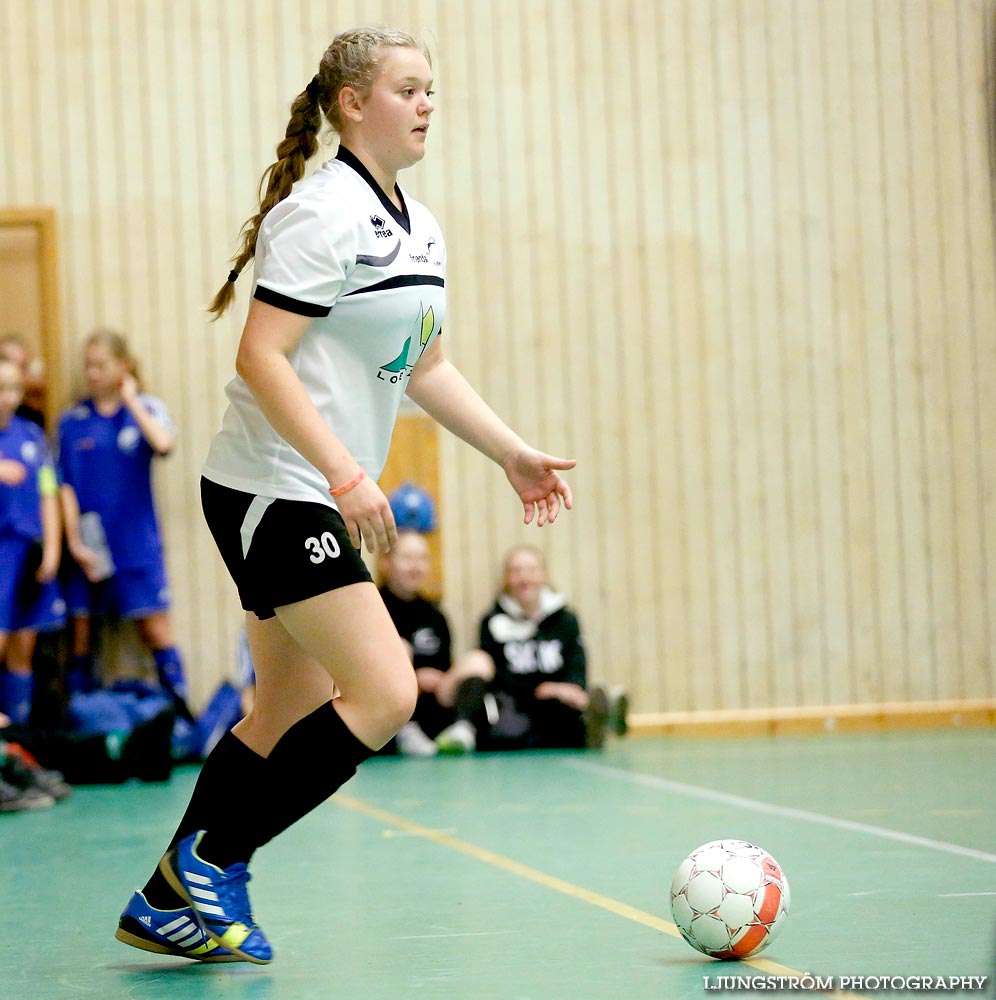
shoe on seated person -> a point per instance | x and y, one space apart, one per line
412 741
459 738
14 799
23 770
618 710
596 717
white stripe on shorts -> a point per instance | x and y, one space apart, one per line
251 521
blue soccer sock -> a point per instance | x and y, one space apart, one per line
79 677
16 691
169 666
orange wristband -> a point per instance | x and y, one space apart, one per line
346 487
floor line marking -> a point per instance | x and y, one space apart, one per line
740 802
542 878
454 934
959 895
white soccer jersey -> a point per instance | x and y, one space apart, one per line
373 279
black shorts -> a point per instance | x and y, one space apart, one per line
280 551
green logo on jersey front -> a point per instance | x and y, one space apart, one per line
400 368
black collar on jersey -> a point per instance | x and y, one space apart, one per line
401 218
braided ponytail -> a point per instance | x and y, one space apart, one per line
350 61
298 146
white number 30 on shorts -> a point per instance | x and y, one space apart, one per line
326 546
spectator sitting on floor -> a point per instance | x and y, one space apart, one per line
426 633
527 685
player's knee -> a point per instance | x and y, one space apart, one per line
405 698
397 700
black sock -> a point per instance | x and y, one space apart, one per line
243 800
231 781
160 894
313 759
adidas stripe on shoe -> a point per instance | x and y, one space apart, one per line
219 897
168 932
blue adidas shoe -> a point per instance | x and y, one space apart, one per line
168 932
219 897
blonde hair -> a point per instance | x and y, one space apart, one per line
117 345
352 60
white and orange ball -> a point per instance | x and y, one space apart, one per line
729 899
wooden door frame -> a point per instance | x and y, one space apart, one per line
42 220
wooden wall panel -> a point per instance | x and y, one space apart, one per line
735 256
414 458
793 531
977 72
814 428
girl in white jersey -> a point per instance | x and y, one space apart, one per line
348 304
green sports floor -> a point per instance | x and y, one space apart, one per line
538 876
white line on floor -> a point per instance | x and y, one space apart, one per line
740 802
419 937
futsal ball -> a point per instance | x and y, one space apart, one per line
729 899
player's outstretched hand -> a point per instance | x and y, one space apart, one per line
533 476
368 516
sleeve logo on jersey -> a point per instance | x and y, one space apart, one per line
381 228
29 452
128 438
400 368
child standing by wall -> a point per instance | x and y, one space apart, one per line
30 539
107 443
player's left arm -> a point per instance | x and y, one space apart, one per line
51 522
569 694
51 519
158 434
439 388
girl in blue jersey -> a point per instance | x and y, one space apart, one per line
107 443
347 305
30 545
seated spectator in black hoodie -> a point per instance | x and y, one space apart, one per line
527 685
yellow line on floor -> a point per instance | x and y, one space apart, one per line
550 881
